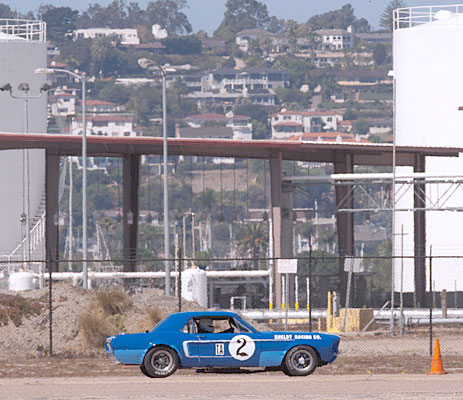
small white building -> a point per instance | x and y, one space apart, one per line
336 39
63 102
126 36
116 125
240 124
289 123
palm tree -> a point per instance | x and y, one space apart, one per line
327 239
181 89
102 51
252 241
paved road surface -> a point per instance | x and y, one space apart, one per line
268 386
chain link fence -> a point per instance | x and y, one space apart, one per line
346 296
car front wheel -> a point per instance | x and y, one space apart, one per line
300 361
160 362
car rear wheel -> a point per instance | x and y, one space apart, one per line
300 361
160 362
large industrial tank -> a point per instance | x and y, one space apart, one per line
22 50
194 286
428 72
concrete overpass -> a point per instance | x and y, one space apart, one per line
343 156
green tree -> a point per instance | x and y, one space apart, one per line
6 11
337 19
113 16
328 239
350 115
181 89
169 14
242 14
182 45
386 20
104 54
379 53
77 54
229 63
361 126
60 21
118 94
252 241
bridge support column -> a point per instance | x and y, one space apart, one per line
276 201
130 209
343 164
51 210
287 251
419 216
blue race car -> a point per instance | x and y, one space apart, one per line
218 339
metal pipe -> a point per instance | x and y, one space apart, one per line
83 78
159 274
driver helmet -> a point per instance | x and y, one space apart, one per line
206 325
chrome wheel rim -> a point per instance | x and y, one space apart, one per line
162 361
302 360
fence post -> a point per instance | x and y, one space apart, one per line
309 300
179 278
50 303
430 300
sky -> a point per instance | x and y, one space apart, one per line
207 14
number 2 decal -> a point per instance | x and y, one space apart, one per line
238 350
242 347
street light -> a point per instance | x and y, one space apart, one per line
25 218
83 78
146 63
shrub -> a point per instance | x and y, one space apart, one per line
14 308
152 317
113 301
95 328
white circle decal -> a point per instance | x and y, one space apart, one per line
241 347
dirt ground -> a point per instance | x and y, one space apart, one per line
252 386
24 348
101 366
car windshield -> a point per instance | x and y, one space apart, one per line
245 325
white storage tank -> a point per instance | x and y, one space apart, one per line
428 72
22 50
21 281
194 286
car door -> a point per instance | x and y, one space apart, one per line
228 349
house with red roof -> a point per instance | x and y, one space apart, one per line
288 123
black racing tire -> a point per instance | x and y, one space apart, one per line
145 372
300 361
160 362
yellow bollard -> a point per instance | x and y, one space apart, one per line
329 313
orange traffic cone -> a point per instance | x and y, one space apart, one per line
436 367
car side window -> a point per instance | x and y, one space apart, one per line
215 325
189 327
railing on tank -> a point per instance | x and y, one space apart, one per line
23 29
409 17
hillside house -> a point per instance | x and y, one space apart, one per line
335 39
287 123
126 36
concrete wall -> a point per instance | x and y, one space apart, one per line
18 60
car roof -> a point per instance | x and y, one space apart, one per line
178 320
